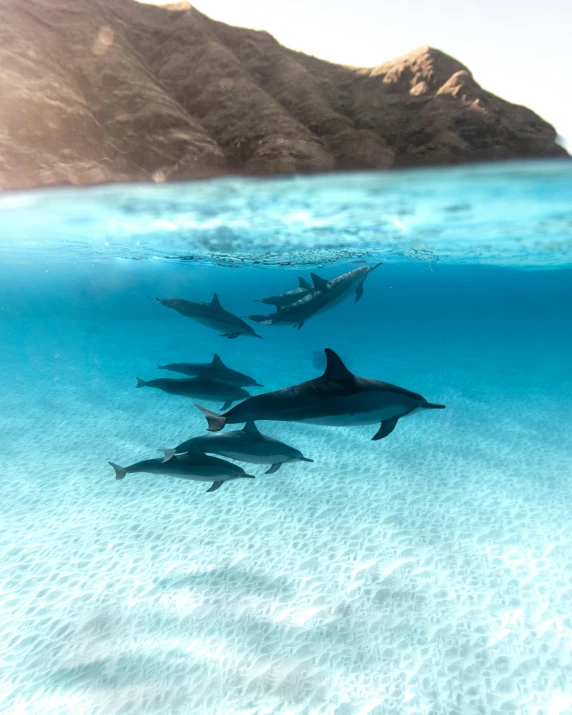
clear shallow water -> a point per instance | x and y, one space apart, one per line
430 572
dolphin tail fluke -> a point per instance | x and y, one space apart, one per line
120 472
169 454
215 422
262 319
433 406
140 382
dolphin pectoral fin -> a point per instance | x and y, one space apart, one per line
227 404
214 487
231 336
387 427
359 292
274 468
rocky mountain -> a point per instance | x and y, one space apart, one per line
106 90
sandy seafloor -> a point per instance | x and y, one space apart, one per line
430 572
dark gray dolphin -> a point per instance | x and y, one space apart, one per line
216 370
202 387
326 295
245 445
338 397
290 297
212 314
197 467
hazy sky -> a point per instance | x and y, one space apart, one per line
521 50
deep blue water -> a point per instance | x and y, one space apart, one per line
429 572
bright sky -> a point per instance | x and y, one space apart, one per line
520 50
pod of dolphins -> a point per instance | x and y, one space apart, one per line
336 398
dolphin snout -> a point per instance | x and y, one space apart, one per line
304 459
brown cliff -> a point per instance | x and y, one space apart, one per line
104 90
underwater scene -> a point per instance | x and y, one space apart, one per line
293 445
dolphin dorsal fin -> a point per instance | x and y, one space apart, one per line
319 283
251 428
215 301
303 283
335 368
217 361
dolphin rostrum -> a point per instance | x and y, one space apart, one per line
245 445
202 387
215 369
197 467
326 295
338 397
212 314
290 297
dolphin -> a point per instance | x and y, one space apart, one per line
202 386
290 297
197 467
338 397
215 369
245 445
326 295
212 314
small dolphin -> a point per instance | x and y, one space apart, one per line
326 295
212 314
245 445
216 369
197 467
202 387
338 397
288 298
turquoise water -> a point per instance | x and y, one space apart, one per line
429 572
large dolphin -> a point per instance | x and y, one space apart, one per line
215 369
245 445
212 314
338 397
197 467
326 295
202 387
290 297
